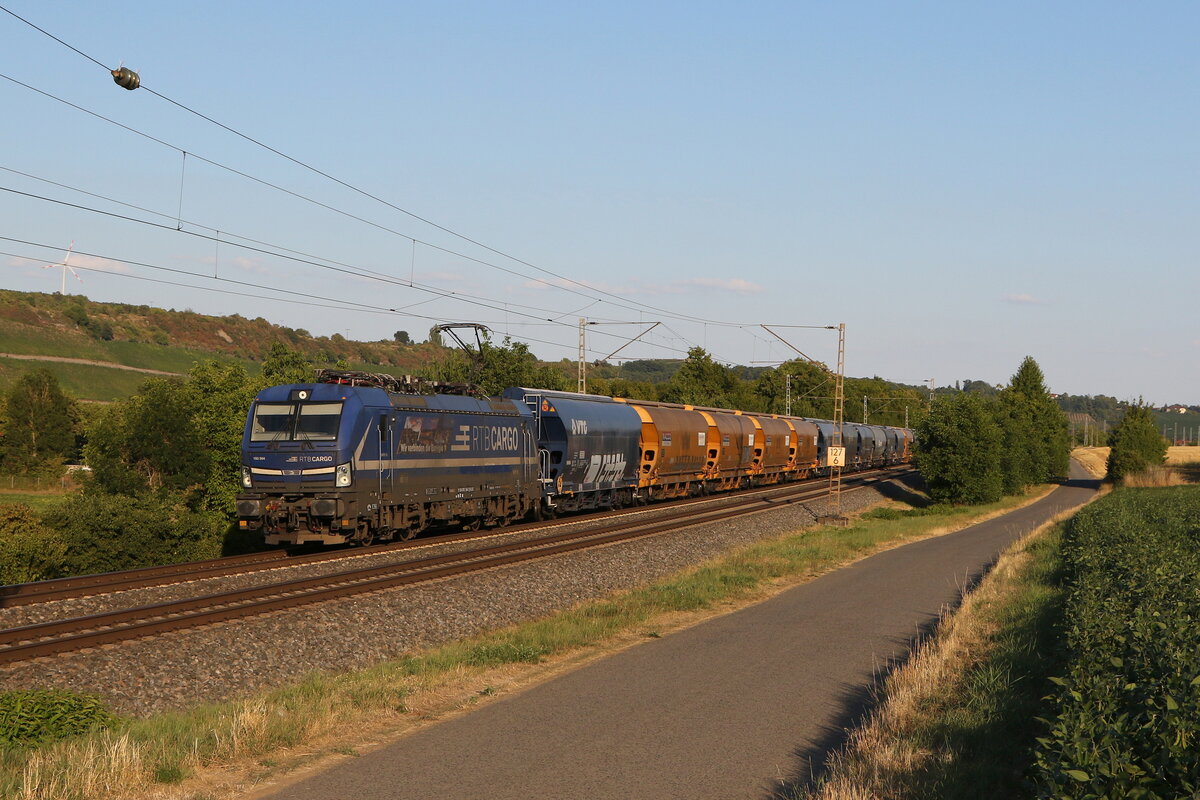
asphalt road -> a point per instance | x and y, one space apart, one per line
726 709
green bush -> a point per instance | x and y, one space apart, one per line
29 551
1126 715
44 715
958 450
108 532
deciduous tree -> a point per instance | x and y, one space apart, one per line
285 365
958 450
703 382
38 428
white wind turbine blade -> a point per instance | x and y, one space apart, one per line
67 258
64 266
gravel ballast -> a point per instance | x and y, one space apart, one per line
233 659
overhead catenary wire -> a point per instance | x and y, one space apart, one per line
558 283
310 299
344 304
304 165
344 213
278 250
308 259
440 293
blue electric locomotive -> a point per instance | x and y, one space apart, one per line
351 459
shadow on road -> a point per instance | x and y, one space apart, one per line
1082 483
859 702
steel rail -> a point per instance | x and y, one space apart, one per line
103 583
44 639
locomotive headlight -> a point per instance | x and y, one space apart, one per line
343 475
246 482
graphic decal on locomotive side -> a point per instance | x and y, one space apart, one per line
424 434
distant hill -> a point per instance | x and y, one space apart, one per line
125 344
116 335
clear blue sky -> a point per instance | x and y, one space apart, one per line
962 184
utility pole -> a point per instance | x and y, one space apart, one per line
930 382
864 409
906 416
839 409
582 355
787 405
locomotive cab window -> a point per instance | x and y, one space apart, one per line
275 422
272 421
318 421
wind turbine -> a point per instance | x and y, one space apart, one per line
65 266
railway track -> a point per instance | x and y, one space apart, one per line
103 583
66 635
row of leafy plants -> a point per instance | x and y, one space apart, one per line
1125 716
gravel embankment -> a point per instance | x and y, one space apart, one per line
232 659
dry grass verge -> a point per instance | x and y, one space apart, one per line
230 749
955 720
1152 477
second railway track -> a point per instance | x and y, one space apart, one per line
76 587
65 635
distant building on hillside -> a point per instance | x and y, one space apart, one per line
1176 409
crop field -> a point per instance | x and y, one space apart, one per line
1178 455
1125 716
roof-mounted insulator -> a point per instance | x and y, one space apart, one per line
126 78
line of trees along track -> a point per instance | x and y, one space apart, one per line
976 449
165 463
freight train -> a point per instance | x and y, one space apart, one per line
357 457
